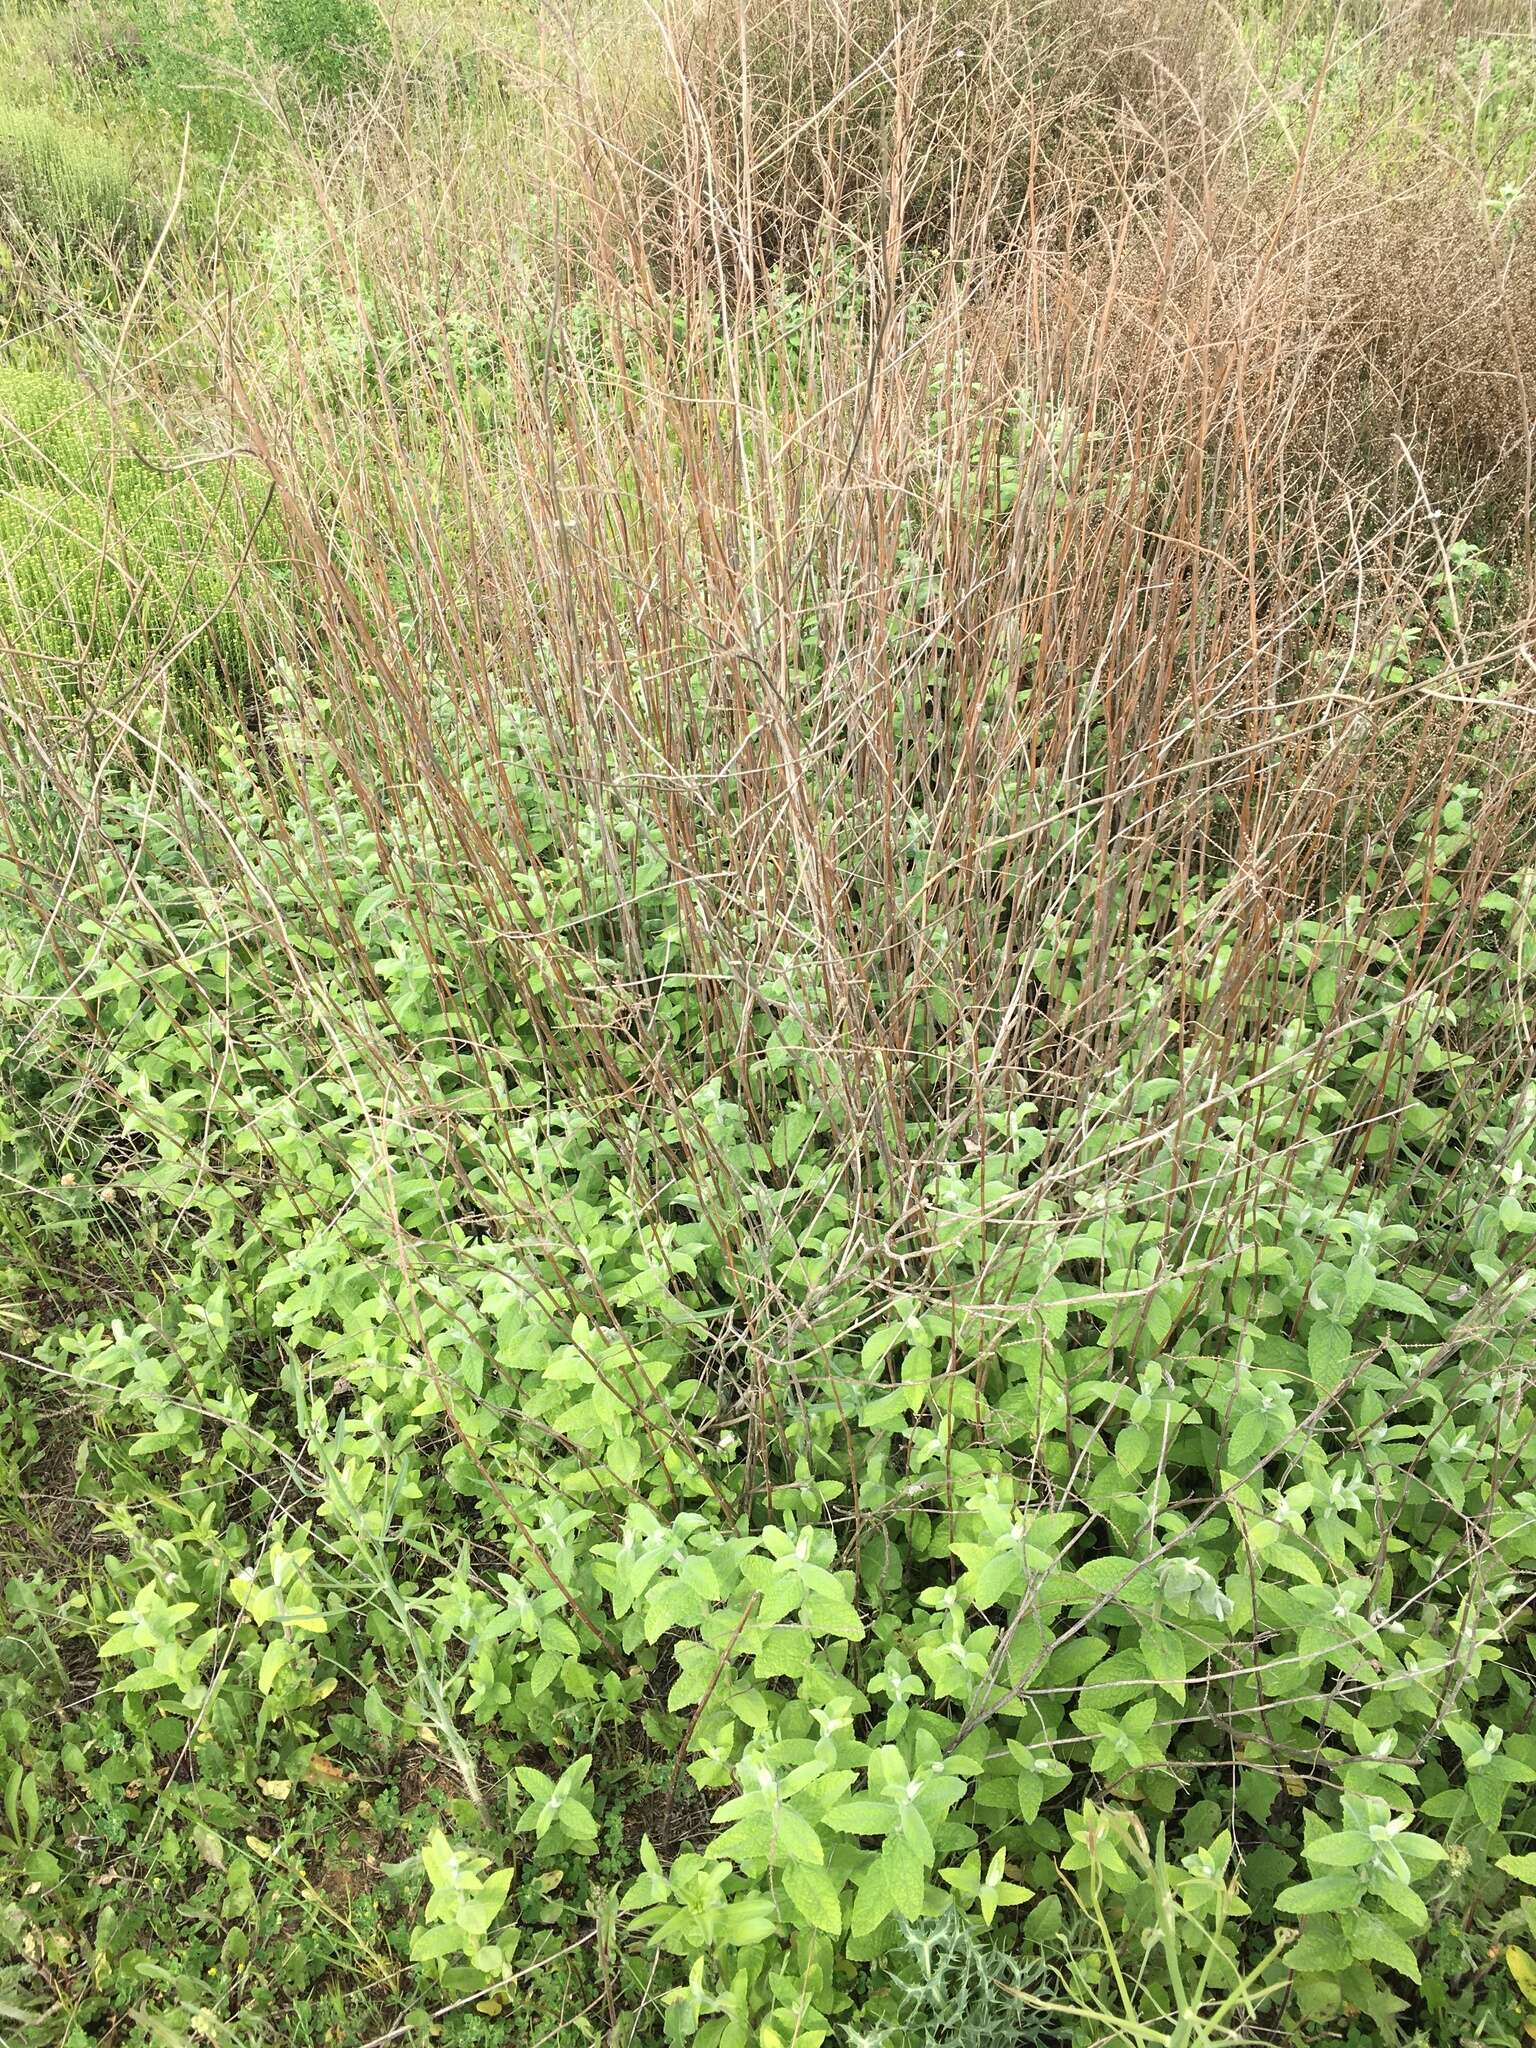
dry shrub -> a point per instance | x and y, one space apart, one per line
1374 333
771 127
904 625
1414 29
1374 286
907 624
1436 302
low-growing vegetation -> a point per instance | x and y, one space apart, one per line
767 928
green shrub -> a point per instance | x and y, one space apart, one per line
786 1266
180 62
70 205
1206 1504
329 47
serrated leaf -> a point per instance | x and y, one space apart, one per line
785 1652
872 1903
1391 1294
672 1604
794 1839
1247 1441
1346 1850
914 1833
903 1876
860 1816
826 1614
1328 1353
1403 1900
577 1821
1166 1658
750 1839
1131 1447
1001 1576
1372 1941
815 1896
1322 1949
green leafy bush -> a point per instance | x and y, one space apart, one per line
1223 1531
329 47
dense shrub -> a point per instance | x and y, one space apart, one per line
328 47
773 1281
775 126
72 213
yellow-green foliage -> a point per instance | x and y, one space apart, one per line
69 199
112 558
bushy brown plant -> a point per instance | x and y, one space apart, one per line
1074 558
770 128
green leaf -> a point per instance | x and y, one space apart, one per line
273 1658
428 1944
1346 1851
1247 1441
1002 1576
1488 1795
873 1902
745 1921
577 1821
794 1839
1165 1655
815 1897
904 1877
672 1604
914 1833
1402 1301
860 1816
1372 1941
826 1614
1322 1948
1124 1576
785 1652
1403 1900
750 1840
879 1342
1328 1353
1334 1893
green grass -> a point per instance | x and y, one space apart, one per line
117 554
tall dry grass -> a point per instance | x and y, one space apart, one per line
1073 554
